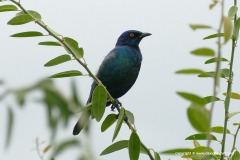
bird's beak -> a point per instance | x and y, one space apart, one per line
145 35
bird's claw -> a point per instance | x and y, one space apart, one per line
114 105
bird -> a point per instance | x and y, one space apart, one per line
118 71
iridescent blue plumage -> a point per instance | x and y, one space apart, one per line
120 68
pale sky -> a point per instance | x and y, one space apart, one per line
160 114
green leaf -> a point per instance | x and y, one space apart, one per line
199 26
27 34
214 36
9 129
70 73
115 147
189 71
177 150
6 8
58 60
210 99
130 116
198 117
230 115
119 123
236 156
213 4
73 45
134 146
227 26
201 136
192 97
109 120
99 100
236 30
203 52
156 156
210 74
65 145
236 124
223 74
213 60
21 19
219 129
232 11
32 13
50 43
233 95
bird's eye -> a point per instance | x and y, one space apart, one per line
131 35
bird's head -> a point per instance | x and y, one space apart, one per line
131 37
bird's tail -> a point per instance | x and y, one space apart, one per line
83 120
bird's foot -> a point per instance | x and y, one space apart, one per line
114 105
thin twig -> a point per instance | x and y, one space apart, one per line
234 141
82 63
229 91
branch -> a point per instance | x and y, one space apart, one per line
234 141
217 75
229 91
82 63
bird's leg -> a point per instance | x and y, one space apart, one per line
115 104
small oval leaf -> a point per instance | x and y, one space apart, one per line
201 136
189 71
6 8
218 129
130 116
73 44
99 100
32 13
109 120
192 97
214 36
213 60
20 19
58 60
199 26
203 52
71 73
210 99
50 43
233 95
227 26
236 30
27 34
134 146
198 117
115 147
232 11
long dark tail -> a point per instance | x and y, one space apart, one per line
83 120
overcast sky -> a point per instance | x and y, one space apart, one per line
160 114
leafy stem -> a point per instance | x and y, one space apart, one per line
229 90
81 62
234 141
217 75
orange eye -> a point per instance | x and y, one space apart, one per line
131 35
